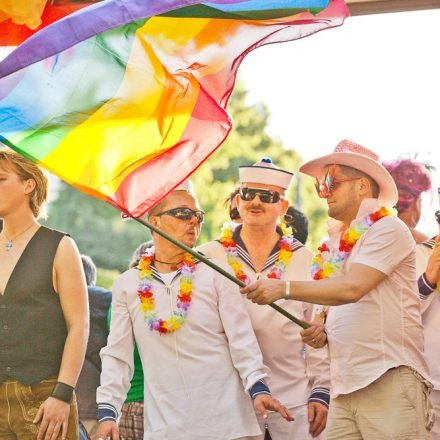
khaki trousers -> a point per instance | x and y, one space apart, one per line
394 407
435 399
19 405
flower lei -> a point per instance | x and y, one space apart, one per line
276 271
328 260
146 296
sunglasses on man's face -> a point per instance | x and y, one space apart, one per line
183 214
265 195
329 183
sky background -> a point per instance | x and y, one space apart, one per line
375 80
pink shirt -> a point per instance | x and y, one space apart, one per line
383 329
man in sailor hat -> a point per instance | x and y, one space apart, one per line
262 248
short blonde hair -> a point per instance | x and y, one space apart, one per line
25 169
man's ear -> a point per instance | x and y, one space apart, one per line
284 207
237 199
365 186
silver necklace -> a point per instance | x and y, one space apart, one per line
9 244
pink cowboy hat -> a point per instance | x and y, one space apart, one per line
353 155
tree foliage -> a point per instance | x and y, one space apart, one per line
248 143
97 227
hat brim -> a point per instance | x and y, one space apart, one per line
388 195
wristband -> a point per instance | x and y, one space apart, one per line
62 391
287 290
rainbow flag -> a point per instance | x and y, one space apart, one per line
126 98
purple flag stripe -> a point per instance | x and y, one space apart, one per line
82 25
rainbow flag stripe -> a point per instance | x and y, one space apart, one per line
132 98
16 28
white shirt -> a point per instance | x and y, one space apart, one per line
383 329
430 306
195 378
295 369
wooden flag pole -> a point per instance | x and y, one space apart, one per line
214 266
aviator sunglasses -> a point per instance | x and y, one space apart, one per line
183 214
266 195
325 186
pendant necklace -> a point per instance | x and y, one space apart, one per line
9 244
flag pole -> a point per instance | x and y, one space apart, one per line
213 266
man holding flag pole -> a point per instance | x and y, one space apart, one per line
366 272
198 350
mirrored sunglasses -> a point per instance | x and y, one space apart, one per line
325 186
265 195
183 214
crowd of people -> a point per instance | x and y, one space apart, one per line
179 351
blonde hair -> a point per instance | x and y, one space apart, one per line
25 169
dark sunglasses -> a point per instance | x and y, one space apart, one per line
234 214
183 214
325 186
266 195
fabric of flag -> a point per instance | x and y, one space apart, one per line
19 19
126 98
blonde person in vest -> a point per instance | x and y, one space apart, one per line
366 272
428 270
259 249
43 311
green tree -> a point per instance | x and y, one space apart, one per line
99 231
96 227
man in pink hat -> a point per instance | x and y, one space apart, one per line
367 275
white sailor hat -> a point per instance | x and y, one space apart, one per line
186 185
265 172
